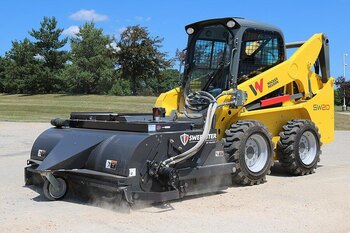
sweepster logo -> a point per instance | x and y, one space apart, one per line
258 86
185 138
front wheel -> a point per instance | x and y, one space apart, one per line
249 145
299 147
52 193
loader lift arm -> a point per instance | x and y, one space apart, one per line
292 70
304 91
323 57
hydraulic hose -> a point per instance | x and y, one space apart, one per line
187 154
213 106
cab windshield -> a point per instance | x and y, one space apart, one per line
210 60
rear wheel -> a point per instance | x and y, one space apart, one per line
299 147
52 193
249 145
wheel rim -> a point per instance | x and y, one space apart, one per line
307 147
60 191
256 153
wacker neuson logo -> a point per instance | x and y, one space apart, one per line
185 138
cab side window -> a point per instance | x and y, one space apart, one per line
260 51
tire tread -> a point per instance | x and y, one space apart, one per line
232 143
286 147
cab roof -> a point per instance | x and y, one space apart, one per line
240 22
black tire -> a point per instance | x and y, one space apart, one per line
52 194
291 149
235 150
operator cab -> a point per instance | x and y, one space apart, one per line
223 53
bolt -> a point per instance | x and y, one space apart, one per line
234 169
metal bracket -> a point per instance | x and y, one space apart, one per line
127 195
241 97
53 181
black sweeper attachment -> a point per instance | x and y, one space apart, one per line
138 156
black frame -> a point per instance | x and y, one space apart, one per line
237 33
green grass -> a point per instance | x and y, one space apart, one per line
339 109
43 108
342 121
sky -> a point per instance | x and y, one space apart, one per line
298 19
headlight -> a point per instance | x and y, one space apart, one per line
230 23
190 31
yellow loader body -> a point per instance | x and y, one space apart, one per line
315 104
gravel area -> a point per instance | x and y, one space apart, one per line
315 203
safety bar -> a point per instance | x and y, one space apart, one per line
296 44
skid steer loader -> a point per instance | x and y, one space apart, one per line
242 105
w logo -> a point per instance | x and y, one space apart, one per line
184 138
258 86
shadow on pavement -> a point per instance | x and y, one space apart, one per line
118 204
278 170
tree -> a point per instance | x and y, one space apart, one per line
31 68
342 90
338 97
48 44
48 47
96 64
170 79
92 68
121 87
23 71
180 57
2 73
139 57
